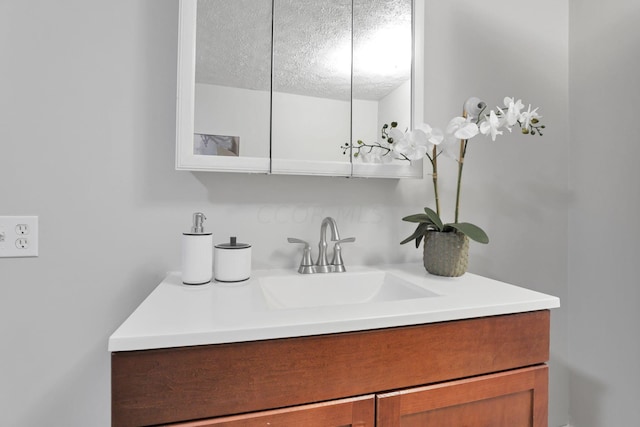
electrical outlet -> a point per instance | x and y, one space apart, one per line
18 236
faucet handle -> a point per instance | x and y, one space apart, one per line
294 240
337 263
345 240
306 264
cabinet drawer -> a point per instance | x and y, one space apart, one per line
355 412
515 398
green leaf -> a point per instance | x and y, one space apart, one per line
422 228
435 219
423 218
417 234
472 231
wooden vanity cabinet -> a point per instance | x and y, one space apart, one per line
479 372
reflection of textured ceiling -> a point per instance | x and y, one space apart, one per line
311 47
233 43
312 43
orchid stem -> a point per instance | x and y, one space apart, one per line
434 164
460 166
463 150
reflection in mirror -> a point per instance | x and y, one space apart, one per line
232 78
382 58
311 109
216 145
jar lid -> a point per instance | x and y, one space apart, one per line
233 244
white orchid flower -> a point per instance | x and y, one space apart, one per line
450 147
503 120
513 110
395 135
462 128
413 145
434 135
526 116
395 139
491 126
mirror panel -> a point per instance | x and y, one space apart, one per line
311 109
382 84
231 92
382 56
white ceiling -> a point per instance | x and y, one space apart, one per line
312 42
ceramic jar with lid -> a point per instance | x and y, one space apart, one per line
232 261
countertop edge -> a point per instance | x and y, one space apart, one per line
122 344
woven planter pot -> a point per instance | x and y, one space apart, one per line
446 254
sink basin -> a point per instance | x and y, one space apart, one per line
316 290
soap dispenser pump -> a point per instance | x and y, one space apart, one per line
197 253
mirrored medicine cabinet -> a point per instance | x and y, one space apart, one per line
278 86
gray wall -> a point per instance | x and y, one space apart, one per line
87 112
515 187
604 343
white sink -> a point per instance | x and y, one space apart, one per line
316 290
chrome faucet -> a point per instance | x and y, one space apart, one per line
322 264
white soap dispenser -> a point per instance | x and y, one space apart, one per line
197 253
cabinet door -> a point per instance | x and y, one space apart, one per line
515 398
353 412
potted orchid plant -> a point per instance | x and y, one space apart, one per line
446 245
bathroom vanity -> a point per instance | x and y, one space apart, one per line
468 351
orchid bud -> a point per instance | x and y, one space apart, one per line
474 106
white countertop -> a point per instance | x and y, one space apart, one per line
177 315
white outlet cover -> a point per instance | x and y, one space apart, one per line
20 236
